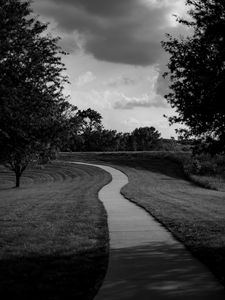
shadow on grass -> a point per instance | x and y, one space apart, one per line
52 277
152 162
155 165
160 272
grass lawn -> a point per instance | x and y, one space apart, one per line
53 233
194 215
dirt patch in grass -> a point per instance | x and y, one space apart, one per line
193 214
53 233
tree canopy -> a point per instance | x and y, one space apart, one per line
33 107
90 135
145 138
197 73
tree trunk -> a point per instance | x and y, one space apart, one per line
18 175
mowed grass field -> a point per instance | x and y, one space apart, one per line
53 233
195 215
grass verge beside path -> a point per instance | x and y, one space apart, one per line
196 216
53 233
203 170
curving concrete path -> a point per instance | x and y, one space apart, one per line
146 262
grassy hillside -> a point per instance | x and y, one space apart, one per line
203 170
53 233
194 215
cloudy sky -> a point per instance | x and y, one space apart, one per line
116 60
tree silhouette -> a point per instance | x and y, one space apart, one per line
90 128
145 138
32 105
197 73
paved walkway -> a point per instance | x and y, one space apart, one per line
146 262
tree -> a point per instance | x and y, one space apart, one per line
90 125
197 73
90 120
33 108
145 138
108 140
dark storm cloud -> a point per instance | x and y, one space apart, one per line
120 31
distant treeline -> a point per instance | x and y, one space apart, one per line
88 134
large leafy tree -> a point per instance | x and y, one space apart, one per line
33 108
197 73
90 128
90 120
85 131
145 138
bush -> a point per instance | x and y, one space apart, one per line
205 165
